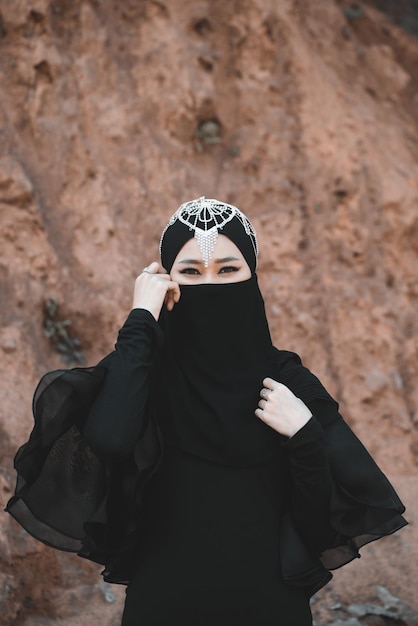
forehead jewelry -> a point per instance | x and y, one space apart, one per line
206 217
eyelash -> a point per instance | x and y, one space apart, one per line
192 271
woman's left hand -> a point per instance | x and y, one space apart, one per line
280 409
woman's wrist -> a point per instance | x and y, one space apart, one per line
296 427
154 310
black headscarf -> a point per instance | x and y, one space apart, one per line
177 234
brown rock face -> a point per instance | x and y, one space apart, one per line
302 114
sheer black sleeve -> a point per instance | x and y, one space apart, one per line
338 486
93 447
338 500
310 485
118 416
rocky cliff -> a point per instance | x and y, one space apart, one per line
303 114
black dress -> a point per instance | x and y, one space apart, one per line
197 542
209 553
209 547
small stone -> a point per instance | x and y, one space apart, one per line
375 381
15 187
209 131
8 345
9 339
107 592
397 379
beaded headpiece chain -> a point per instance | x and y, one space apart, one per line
206 217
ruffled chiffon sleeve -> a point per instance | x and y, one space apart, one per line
363 506
70 496
59 479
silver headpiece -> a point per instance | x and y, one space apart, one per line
206 217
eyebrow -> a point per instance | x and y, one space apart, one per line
226 259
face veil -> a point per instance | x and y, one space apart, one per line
217 352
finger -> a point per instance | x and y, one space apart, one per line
161 270
271 384
173 287
259 413
176 293
148 274
172 296
262 404
155 268
173 291
152 268
264 393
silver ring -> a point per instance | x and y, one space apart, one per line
147 270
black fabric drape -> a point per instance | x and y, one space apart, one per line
66 495
217 351
105 498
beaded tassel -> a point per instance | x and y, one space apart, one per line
206 240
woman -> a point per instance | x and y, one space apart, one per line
206 469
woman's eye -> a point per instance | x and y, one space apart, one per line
190 270
227 269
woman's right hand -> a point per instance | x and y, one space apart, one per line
153 288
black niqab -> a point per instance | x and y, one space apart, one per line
217 352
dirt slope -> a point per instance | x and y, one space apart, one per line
304 114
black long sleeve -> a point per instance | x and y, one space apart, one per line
311 482
118 416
